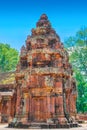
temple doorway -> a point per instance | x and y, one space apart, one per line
4 115
38 109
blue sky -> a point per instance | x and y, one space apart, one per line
18 17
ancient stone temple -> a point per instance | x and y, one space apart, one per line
46 90
7 97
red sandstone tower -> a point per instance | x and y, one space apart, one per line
46 90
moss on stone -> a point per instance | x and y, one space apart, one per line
7 78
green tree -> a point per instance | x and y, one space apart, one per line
70 42
8 58
82 92
81 37
78 59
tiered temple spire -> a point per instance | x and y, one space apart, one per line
46 91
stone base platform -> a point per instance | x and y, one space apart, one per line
36 125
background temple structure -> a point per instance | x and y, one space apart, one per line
44 86
7 97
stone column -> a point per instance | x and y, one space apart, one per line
9 109
24 106
45 109
38 109
52 106
18 102
0 107
48 104
62 105
30 107
72 105
27 105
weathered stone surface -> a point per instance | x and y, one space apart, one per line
46 90
7 97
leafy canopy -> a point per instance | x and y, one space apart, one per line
8 58
77 48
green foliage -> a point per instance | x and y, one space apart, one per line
69 42
8 58
78 59
81 37
82 92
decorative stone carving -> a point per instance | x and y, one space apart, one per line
47 78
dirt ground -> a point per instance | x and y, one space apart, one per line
4 127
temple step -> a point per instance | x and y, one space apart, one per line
35 126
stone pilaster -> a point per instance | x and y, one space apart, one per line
9 109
